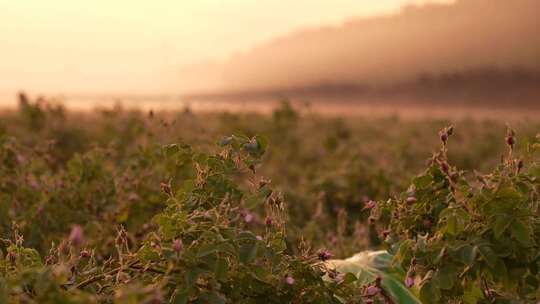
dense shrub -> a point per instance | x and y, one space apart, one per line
100 207
469 241
209 245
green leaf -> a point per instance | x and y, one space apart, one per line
451 225
422 181
502 221
262 274
499 271
258 198
445 277
248 252
505 200
188 186
473 294
348 278
252 202
192 275
246 236
212 298
467 254
532 281
421 242
440 256
403 251
456 220
508 194
278 244
171 150
222 268
488 255
521 232
167 225
146 253
207 249
429 293
263 142
180 296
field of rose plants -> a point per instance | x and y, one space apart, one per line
125 206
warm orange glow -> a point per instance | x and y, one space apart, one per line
139 46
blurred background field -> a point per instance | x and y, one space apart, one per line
344 98
327 166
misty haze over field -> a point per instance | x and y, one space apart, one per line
183 51
483 47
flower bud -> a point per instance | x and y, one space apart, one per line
76 235
411 200
133 197
371 204
444 137
332 273
444 166
63 247
324 255
11 257
177 245
510 141
409 282
263 182
49 260
372 291
166 188
248 218
333 240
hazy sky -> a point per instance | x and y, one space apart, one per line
134 46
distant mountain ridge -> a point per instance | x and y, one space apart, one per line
436 47
515 85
